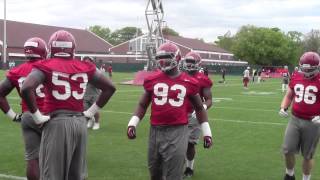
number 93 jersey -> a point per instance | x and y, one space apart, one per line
170 97
65 82
306 96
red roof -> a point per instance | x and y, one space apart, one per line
19 32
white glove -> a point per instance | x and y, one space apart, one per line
316 120
193 115
283 113
39 118
89 113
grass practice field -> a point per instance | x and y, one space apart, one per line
247 133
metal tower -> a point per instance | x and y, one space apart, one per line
154 15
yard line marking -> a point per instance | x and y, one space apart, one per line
12 177
215 119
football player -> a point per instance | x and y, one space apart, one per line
64 134
303 129
169 92
90 97
285 79
192 64
246 77
35 49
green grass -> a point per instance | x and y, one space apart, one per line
246 128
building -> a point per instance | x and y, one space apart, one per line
18 32
134 51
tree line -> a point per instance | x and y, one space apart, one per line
257 45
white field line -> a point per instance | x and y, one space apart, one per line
215 119
12 177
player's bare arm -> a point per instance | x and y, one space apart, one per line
5 88
143 104
28 89
107 89
286 102
207 95
105 85
199 109
202 117
139 113
287 99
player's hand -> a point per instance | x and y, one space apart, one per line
17 118
131 132
283 113
207 141
39 118
316 120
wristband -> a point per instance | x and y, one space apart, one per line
205 106
134 121
93 109
11 114
206 131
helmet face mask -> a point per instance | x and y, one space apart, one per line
309 64
309 71
167 57
192 62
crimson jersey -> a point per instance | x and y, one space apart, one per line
65 82
203 82
306 101
170 97
17 75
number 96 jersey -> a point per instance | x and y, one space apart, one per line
306 96
65 82
170 97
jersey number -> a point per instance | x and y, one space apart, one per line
161 90
306 94
39 90
56 80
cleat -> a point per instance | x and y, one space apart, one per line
96 126
188 172
287 177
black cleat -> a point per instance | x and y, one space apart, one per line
287 177
188 172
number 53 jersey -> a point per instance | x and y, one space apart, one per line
306 96
65 81
170 97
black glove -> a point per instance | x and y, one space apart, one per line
17 118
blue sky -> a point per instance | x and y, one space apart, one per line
205 19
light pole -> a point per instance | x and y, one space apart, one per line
4 36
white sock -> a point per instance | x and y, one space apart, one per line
290 172
306 177
190 163
283 87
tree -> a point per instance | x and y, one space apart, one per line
124 34
226 41
264 46
103 32
168 31
312 41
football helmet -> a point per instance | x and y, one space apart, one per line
35 48
191 62
168 56
309 64
62 44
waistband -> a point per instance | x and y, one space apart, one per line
65 113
